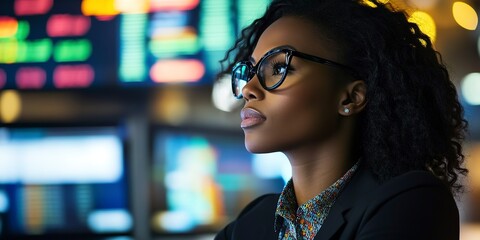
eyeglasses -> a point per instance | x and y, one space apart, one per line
272 69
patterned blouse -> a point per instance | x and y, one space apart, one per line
296 223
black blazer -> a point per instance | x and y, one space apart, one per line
415 205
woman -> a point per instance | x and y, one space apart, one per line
360 103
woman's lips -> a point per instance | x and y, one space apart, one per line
251 117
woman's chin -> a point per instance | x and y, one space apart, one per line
257 148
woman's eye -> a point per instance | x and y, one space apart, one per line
278 68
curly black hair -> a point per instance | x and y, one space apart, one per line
413 119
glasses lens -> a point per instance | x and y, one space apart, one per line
240 76
273 69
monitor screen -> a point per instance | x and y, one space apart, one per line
202 179
63 181
78 44
46 44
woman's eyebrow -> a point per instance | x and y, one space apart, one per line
252 59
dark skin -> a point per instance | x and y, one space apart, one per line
305 116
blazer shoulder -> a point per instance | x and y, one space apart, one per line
415 205
255 221
410 182
264 200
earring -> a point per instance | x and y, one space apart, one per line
346 110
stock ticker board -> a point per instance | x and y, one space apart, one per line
79 44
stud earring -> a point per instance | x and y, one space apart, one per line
346 110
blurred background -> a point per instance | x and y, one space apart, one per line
112 126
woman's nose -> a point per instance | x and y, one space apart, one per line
253 90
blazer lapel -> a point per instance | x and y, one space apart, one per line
333 223
358 186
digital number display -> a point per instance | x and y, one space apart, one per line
47 44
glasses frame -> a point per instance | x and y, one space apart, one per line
289 53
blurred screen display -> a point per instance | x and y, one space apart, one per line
69 181
202 180
77 44
46 44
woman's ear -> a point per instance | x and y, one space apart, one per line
353 98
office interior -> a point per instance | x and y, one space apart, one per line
115 125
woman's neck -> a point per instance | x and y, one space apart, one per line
316 167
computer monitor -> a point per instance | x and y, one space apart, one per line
202 179
84 44
63 183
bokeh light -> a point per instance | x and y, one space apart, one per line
129 6
222 96
465 15
371 4
171 105
8 26
10 106
426 24
102 8
184 70
32 7
471 88
423 4
173 5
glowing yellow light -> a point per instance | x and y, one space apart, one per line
99 8
129 6
171 105
10 106
8 27
426 24
371 4
465 15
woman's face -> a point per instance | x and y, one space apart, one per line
304 109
